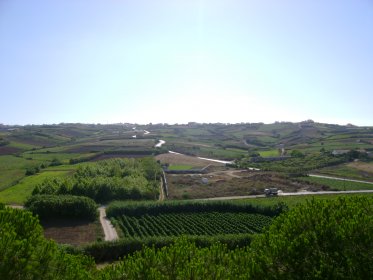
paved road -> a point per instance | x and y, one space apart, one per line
340 179
109 230
287 194
160 143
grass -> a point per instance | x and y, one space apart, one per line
12 169
337 184
223 183
49 156
180 167
21 146
349 170
292 201
18 193
269 153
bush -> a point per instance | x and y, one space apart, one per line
113 250
318 240
119 208
109 180
62 206
26 254
32 170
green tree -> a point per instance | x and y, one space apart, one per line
26 254
318 240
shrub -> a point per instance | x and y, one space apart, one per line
118 208
26 254
318 240
113 250
62 206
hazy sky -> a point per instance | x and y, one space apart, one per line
177 61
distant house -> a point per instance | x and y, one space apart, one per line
339 152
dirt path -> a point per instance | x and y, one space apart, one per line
161 194
109 230
286 194
340 179
230 173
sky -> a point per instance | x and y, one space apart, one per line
173 61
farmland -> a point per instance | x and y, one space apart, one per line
293 201
23 189
75 167
225 182
338 184
205 223
73 232
144 220
353 170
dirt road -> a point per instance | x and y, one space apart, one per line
287 194
109 230
340 179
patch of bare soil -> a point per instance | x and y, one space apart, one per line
178 159
4 150
72 232
230 183
362 166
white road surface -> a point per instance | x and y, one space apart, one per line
160 143
287 194
340 179
109 230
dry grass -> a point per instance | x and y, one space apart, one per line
363 166
177 159
72 232
230 183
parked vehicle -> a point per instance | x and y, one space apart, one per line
271 192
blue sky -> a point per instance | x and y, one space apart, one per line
177 61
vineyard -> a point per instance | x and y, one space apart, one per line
205 223
319 239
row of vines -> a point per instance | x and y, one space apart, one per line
205 223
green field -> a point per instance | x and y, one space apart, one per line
18 193
346 171
180 167
12 169
269 153
201 223
338 184
292 201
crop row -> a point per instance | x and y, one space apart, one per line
205 223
